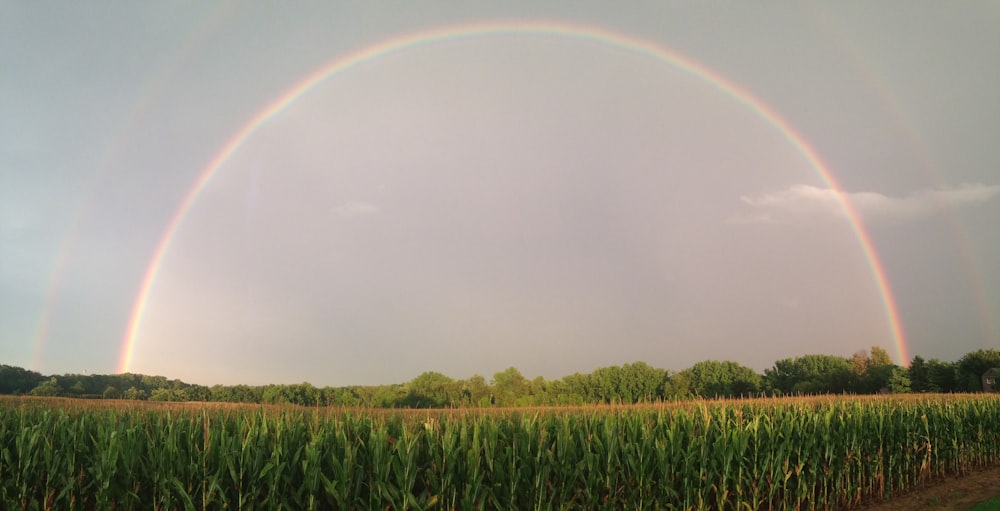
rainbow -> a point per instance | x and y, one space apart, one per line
878 83
150 89
468 31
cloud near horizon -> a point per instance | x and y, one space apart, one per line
805 201
356 208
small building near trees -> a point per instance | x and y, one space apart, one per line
990 379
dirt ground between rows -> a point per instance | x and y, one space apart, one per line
951 494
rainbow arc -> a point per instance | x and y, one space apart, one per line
538 28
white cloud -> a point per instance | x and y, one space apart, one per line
356 208
760 218
809 201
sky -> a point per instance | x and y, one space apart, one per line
554 186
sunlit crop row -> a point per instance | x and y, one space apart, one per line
738 455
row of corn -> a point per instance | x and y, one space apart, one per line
723 455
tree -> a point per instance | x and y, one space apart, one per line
198 393
943 375
809 374
509 385
110 392
167 395
576 389
679 386
931 375
870 372
78 389
385 396
880 357
154 382
134 394
642 382
475 391
899 380
606 383
15 380
304 394
713 378
347 396
972 366
430 390
222 394
47 388
859 363
277 395
919 375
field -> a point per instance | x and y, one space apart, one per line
801 453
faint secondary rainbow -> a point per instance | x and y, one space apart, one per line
877 81
540 28
151 89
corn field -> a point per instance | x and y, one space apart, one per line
824 453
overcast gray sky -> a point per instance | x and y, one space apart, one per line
531 200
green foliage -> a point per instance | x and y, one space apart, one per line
871 373
135 394
508 386
17 381
809 374
631 383
48 388
863 373
713 378
722 455
990 505
971 367
899 380
679 386
432 390
932 375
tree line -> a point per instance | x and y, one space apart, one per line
865 372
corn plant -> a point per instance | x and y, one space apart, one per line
740 455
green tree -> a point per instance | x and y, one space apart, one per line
932 375
679 386
880 357
899 380
859 362
77 389
48 388
575 389
509 386
222 394
15 380
198 393
606 383
168 395
386 396
541 392
346 396
919 375
713 378
871 372
134 394
809 374
972 366
642 382
150 383
430 390
475 391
